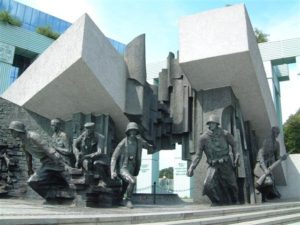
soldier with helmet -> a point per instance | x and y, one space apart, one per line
52 169
220 184
126 160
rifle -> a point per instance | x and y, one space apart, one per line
260 181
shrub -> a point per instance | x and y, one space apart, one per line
48 32
5 17
291 130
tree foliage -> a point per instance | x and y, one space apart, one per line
291 130
48 32
5 17
260 36
167 172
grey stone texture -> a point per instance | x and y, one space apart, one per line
24 212
218 48
81 78
80 72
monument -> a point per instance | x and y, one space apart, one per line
51 180
220 184
60 141
268 158
129 154
98 92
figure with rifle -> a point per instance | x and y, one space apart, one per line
268 158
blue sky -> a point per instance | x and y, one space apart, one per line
123 20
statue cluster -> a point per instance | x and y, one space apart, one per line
220 184
53 180
61 162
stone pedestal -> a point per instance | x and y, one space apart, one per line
89 194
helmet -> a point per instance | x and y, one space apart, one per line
213 119
132 126
55 121
17 126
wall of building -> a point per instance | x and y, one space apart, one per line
291 190
26 41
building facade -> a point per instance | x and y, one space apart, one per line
20 46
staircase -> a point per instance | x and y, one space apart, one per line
273 213
24 212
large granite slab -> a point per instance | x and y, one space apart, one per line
80 72
218 48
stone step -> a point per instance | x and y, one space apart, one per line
21 212
286 219
282 215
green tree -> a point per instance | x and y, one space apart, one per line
5 17
168 172
260 36
291 130
48 32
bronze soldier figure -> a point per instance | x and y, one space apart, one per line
60 141
126 160
266 156
88 150
220 184
52 171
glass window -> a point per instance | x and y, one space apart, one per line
13 6
63 26
55 24
5 4
20 12
14 72
27 15
50 20
42 19
34 18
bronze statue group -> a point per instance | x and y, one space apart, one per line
53 175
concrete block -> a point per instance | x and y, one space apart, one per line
80 72
218 48
291 190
